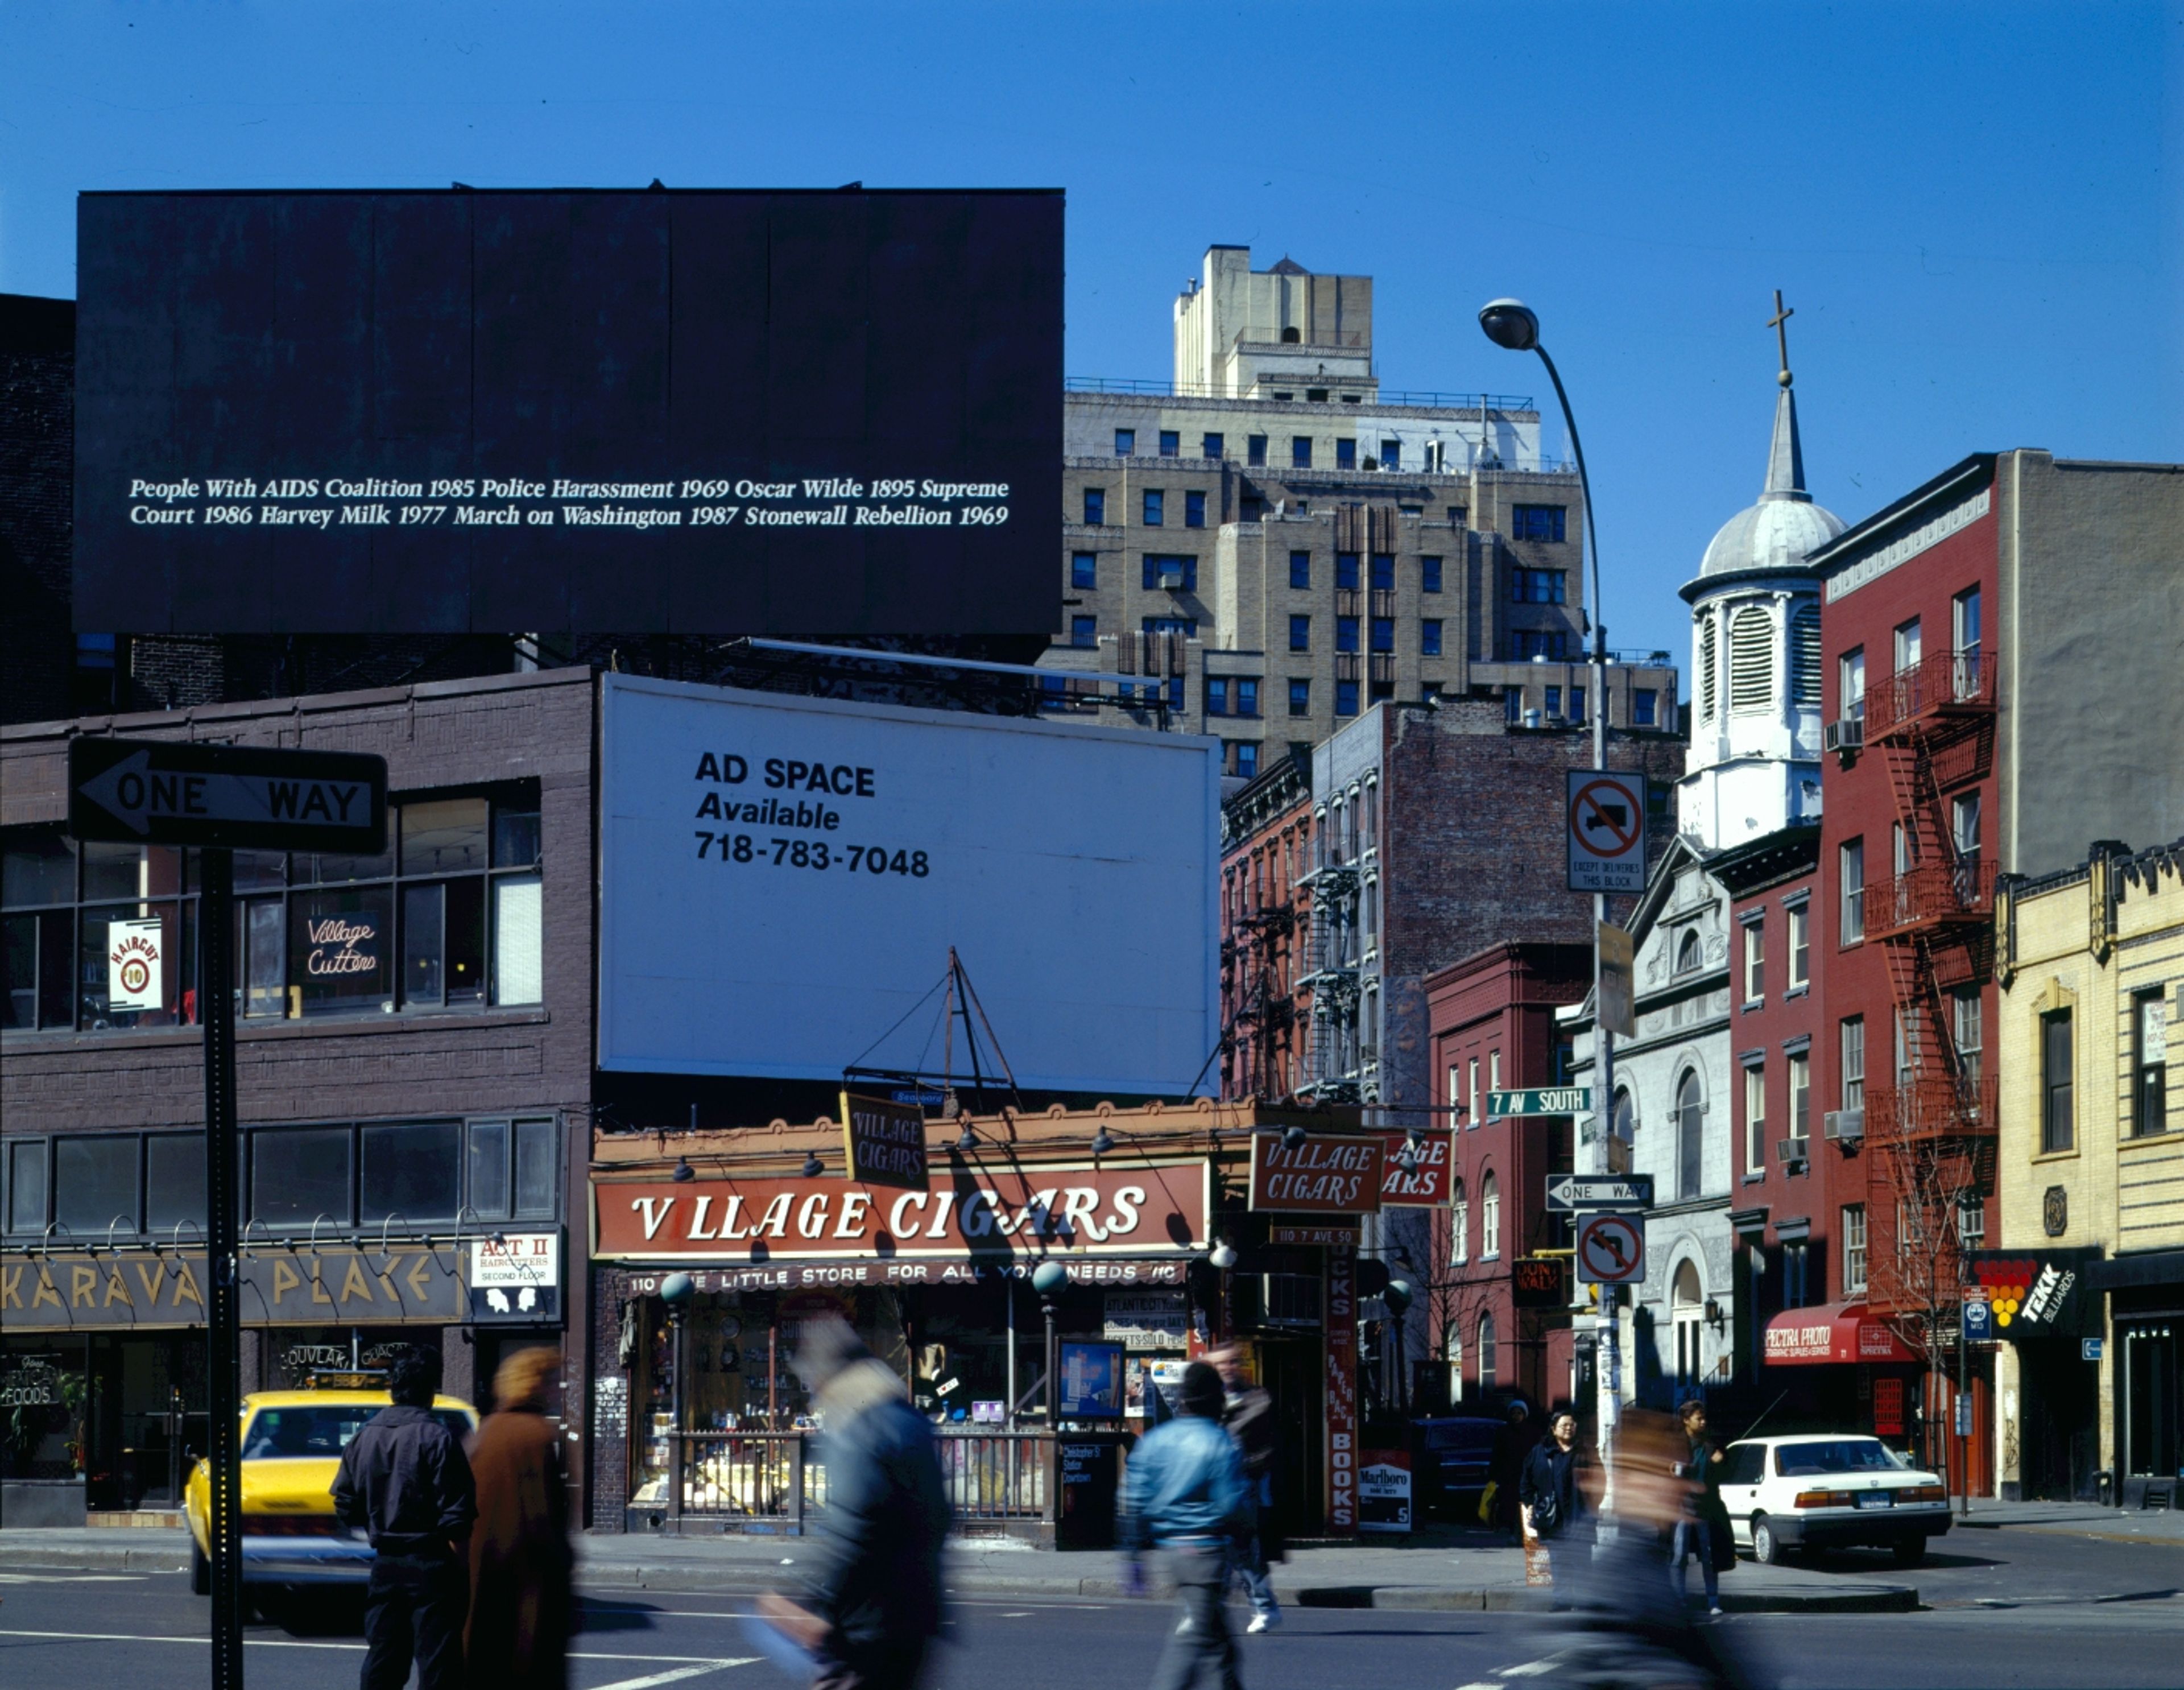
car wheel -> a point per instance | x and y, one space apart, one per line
1766 1547
1909 1552
200 1571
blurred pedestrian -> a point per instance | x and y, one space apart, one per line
1188 1497
1702 1527
1514 1441
521 1564
1249 1418
403 1479
877 1595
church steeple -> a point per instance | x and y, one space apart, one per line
1786 456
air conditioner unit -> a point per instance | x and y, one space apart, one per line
1788 1151
1846 735
1847 1125
1171 580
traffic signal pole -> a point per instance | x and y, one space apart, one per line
223 1312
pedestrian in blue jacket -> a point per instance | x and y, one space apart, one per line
1187 1497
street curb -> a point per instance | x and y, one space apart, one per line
123 1557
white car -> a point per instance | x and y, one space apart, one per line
1830 1490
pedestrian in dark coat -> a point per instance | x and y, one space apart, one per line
1550 1501
1513 1441
1702 1527
877 1592
1250 1416
404 1480
521 1564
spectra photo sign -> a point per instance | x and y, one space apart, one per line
628 411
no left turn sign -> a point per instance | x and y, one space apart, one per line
1607 831
1610 1249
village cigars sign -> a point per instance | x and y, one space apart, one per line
1322 1174
972 1211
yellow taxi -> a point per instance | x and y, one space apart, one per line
291 1447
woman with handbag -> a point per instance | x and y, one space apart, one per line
1550 1502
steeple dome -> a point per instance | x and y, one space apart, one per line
1784 525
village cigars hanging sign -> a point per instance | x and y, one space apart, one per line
1323 1174
971 1210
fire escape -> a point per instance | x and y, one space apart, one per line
1931 1128
1328 970
1263 1015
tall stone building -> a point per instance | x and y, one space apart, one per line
1277 543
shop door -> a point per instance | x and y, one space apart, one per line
1292 1371
2153 1454
2060 1427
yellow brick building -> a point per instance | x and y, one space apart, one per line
2090 1180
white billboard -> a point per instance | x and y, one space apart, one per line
781 880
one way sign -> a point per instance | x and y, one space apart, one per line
160 792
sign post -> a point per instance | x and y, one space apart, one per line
218 799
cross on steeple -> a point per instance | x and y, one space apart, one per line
1777 322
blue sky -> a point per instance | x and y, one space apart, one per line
1974 209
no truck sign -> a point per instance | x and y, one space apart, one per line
1607 831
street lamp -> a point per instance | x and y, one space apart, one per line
1048 1279
1513 326
676 1290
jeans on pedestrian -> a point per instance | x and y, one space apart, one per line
414 1610
1251 1560
1696 1537
1200 1572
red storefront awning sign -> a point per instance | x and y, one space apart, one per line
1831 1332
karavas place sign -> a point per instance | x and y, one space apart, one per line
1325 1174
973 1211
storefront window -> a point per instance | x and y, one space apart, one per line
174 1183
95 1184
26 1185
337 951
298 1175
413 1170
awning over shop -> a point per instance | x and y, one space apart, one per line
1832 1332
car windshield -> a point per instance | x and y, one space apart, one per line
1836 1455
322 1429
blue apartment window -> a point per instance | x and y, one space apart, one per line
1577 703
1384 572
1247 695
1345 454
1554 700
1155 503
1429 575
1300 698
1429 638
1536 523
1300 451
1641 708
1085 632
1383 633
1212 446
1539 586
1345 571
1171 444
1169 573
1513 705
1392 455
1185 626
1345 698
1346 633
1217 696
1300 634
1194 511
1245 753
1126 442
1527 643
1299 570
1175 692
1085 569
1255 448
1095 505
1458 516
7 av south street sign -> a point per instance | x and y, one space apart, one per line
160 792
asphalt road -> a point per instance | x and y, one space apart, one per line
59 1630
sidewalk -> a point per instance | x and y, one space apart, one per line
1440 1570
2080 1520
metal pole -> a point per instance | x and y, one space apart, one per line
1963 1406
1053 1423
222 1323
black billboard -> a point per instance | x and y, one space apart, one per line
631 412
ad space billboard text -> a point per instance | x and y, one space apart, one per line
782 877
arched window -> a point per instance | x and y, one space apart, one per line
1805 656
1687 1314
1459 1222
1625 1124
1687 951
1452 1349
1751 659
1691 1130
1489 1216
1292 336
1490 1360
1706 666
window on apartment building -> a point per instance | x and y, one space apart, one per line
1490 1352
1459 515
1154 507
1245 695
2058 1117
1212 446
1800 1068
1459 1221
1175 684
1171 444
1526 644
1300 451
1471 1116
1429 575
1755 1119
1552 697
1383 633
1642 707
1345 454
1850 1066
1853 1250
1623 1118
1971 1224
1796 1273
1800 951
1429 637
1964 640
1217 696
1512 704
1908 646
1493 1072
1691 1135
1536 523
1255 448
1755 962
1490 1217
1577 703
1345 571
2149 1059
1382 566
1096 506
1084 569
1905 1024
1539 586
1392 455
1085 632
1345 698
1850 682
1850 872
1300 634
1126 442
1170 572
1346 633
1242 757
1967 1032
1300 571
1185 627
1194 509
1964 835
